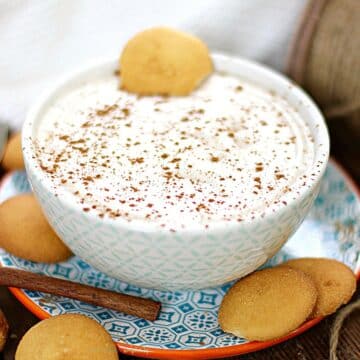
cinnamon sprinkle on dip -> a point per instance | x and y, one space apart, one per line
229 152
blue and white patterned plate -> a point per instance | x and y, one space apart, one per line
188 320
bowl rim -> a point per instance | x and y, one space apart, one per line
249 66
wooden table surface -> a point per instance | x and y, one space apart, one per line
312 345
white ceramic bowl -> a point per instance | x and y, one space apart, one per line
186 259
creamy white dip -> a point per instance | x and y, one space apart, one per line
231 151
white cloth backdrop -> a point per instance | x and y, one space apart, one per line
42 39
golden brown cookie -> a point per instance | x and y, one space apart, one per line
268 304
335 282
164 61
4 328
13 157
25 232
70 337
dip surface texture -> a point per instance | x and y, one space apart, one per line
229 152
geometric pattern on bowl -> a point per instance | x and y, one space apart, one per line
142 258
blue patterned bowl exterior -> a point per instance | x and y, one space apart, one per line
162 259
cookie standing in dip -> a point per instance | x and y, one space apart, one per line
228 152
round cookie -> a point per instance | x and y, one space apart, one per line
335 282
13 157
25 232
163 61
267 304
4 328
69 336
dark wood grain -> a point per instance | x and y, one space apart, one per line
4 329
132 305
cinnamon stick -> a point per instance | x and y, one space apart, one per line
132 305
